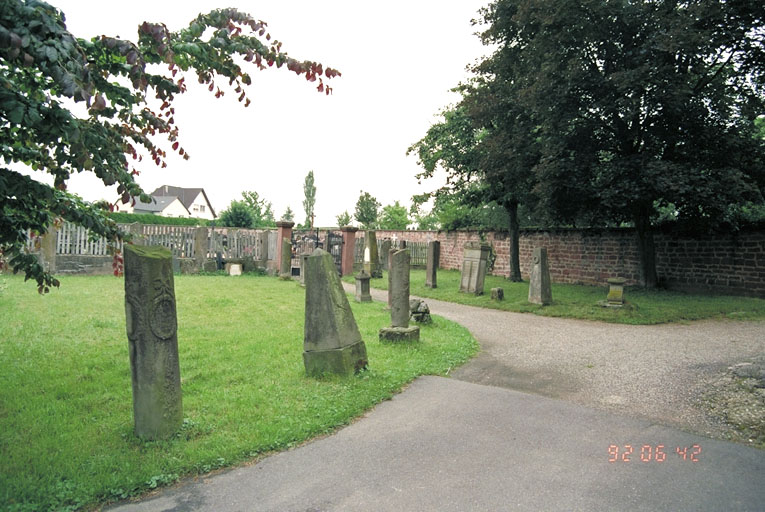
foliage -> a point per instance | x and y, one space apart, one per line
262 212
394 217
148 218
243 395
344 219
309 190
128 91
237 215
288 215
367 210
633 106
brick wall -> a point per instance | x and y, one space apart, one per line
726 264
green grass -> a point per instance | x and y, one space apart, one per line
66 437
578 301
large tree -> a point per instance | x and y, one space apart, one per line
367 210
262 210
393 216
128 91
635 105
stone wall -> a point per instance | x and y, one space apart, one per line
732 264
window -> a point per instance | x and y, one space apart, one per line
202 208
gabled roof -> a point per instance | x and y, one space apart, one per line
158 204
185 195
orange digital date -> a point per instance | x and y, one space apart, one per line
649 453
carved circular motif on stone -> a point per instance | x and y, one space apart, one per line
163 322
536 259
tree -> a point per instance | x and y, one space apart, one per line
288 215
309 190
237 215
393 217
367 209
128 90
262 210
344 219
634 106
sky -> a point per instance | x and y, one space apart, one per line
398 59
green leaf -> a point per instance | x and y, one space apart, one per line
51 53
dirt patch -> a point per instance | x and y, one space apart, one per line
736 397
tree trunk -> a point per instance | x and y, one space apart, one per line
646 248
515 259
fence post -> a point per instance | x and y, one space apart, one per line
349 249
285 231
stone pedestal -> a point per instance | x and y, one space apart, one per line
399 295
332 342
284 230
285 263
150 315
431 267
362 287
540 291
616 291
474 264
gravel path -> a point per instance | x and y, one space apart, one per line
656 372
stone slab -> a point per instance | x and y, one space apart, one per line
340 361
399 334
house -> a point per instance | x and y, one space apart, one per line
193 199
171 201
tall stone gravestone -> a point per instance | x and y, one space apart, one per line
285 265
474 264
332 342
370 247
399 296
383 253
431 266
152 337
540 291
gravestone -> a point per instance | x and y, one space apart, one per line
285 265
475 261
362 287
384 251
303 259
431 267
539 283
150 316
234 269
616 291
370 247
332 342
391 252
497 294
399 296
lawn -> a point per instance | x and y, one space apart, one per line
579 301
66 435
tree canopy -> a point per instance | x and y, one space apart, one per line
367 210
128 91
344 219
309 192
393 216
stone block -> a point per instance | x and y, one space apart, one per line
399 334
616 291
341 361
285 264
497 294
419 311
431 266
362 287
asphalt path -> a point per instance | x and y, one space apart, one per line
553 414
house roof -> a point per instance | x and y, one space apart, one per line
185 195
158 204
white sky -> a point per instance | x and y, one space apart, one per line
398 58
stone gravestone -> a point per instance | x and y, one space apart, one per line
419 311
362 287
370 245
152 338
431 268
303 259
497 294
399 295
384 251
332 342
391 252
539 283
474 264
616 292
285 266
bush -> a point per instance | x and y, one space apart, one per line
147 218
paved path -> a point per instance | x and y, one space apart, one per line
447 444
